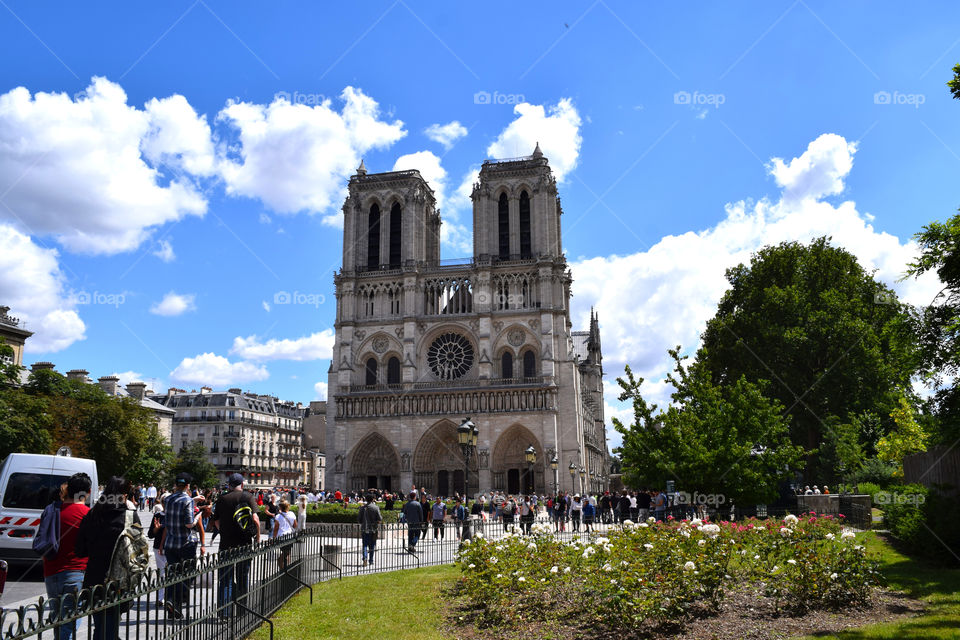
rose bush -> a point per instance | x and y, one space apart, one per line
643 574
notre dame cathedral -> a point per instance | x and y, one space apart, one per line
423 343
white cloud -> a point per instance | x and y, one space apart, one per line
446 134
33 286
295 157
164 251
320 389
216 371
174 304
77 168
556 128
316 346
126 377
428 164
678 282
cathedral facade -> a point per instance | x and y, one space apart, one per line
423 343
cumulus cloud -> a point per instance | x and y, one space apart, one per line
446 134
174 304
680 279
78 167
295 157
316 346
216 371
428 164
556 128
320 389
164 251
34 287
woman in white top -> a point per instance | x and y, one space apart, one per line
301 512
284 524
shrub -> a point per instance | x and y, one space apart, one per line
870 489
925 521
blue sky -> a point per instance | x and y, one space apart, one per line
159 193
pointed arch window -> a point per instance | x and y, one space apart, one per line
529 364
503 226
373 237
506 365
396 234
526 250
371 372
393 371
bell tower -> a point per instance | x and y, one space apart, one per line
516 210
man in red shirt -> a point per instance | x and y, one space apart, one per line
63 574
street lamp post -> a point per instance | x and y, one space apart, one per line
555 465
573 475
467 434
531 455
583 475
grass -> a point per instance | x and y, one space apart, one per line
937 586
394 605
406 604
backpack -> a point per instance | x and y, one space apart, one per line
510 508
243 517
46 542
131 554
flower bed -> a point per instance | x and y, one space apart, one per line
658 574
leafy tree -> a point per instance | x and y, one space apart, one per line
908 437
9 370
24 424
832 342
954 83
729 440
193 460
155 462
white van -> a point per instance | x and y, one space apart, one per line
28 482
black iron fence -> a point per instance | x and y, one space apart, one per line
230 594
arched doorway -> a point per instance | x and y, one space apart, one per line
374 464
511 472
438 462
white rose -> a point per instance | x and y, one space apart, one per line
689 566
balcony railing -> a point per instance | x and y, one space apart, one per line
441 385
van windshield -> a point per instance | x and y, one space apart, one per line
31 490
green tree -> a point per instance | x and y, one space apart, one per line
155 462
831 341
193 460
729 440
908 437
954 83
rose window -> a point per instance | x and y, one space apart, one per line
450 356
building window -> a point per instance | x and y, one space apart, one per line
371 370
503 226
529 365
393 371
396 233
373 237
506 365
525 249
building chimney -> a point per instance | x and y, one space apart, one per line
40 366
172 391
78 374
234 390
109 384
205 390
136 390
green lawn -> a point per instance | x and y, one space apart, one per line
404 604
937 586
395 606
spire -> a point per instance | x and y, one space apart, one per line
362 169
593 340
536 152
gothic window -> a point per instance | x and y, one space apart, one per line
396 227
393 371
393 296
529 364
371 371
525 249
373 237
450 356
368 303
506 365
503 226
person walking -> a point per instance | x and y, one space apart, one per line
576 508
179 543
284 524
460 516
439 515
508 513
155 533
96 540
369 518
151 496
413 515
236 517
301 512
589 513
63 572
527 513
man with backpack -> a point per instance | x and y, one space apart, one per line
62 569
236 517
369 518
179 542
